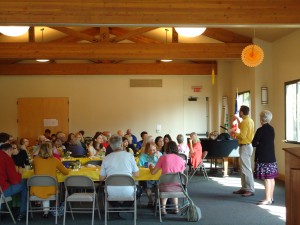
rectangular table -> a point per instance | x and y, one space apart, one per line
94 172
83 161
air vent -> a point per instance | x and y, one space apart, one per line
145 82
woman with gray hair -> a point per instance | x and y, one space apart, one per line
265 161
182 147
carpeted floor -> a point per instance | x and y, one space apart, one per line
214 196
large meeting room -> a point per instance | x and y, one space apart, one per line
121 68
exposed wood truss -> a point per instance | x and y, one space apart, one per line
104 48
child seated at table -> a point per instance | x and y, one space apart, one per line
150 157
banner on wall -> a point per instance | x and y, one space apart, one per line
225 111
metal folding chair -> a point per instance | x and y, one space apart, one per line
169 178
5 200
41 181
201 166
87 194
120 180
185 158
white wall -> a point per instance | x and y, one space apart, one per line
286 67
106 102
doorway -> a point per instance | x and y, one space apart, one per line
196 115
37 114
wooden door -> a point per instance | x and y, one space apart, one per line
37 114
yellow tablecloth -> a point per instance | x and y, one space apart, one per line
82 160
93 173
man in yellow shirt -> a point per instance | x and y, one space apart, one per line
245 137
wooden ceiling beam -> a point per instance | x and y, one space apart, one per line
76 34
104 34
108 69
142 12
136 39
132 33
122 51
226 36
91 32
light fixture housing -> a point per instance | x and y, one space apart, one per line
13 31
42 60
166 60
264 95
190 31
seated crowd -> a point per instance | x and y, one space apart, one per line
124 154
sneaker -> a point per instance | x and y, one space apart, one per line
20 217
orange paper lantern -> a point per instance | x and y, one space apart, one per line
252 55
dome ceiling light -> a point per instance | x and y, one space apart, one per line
190 31
13 31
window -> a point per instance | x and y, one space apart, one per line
244 99
292 111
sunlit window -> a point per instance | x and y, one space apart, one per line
292 111
244 99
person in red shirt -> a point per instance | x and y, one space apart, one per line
195 150
10 179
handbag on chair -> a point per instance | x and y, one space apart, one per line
189 209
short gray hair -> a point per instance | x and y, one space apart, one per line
115 142
180 138
265 116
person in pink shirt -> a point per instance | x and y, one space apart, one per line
182 147
169 163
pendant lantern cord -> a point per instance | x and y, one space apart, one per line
166 35
42 60
42 30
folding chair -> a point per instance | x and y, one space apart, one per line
120 180
201 166
185 158
87 194
5 200
41 181
169 178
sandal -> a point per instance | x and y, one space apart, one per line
264 203
176 211
163 212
